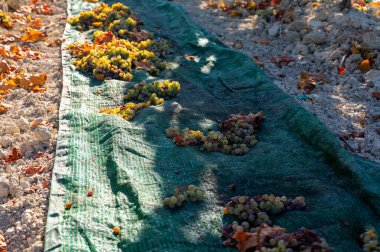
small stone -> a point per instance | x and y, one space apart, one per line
12 129
42 133
24 184
273 31
291 36
23 124
315 25
297 26
4 187
315 37
371 40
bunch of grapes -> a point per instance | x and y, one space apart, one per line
188 137
5 21
235 137
127 112
182 194
370 240
109 57
149 94
154 91
256 210
103 17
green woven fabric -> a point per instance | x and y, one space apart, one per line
132 166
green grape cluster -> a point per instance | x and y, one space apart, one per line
5 21
154 91
370 240
106 17
236 135
149 94
182 194
127 112
114 58
256 210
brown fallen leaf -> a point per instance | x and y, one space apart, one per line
376 95
262 41
310 80
35 23
33 35
55 43
258 61
190 57
251 241
282 61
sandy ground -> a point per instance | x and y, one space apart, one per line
30 125
316 39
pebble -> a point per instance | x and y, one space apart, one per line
12 129
43 133
315 37
273 31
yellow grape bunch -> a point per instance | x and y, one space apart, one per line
151 94
109 57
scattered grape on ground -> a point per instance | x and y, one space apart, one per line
236 135
182 194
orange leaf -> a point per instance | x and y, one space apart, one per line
33 35
374 4
310 80
36 23
3 108
251 241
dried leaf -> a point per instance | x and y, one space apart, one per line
374 4
310 80
3 108
376 95
251 241
91 1
36 23
190 57
55 43
14 156
33 35
282 61
258 61
262 41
